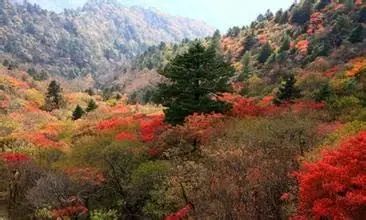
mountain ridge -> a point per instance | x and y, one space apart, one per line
99 38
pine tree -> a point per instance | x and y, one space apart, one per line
269 15
264 53
301 14
194 79
91 106
54 98
78 113
278 16
287 90
215 41
249 42
286 42
245 74
356 34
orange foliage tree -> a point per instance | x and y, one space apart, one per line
358 65
302 46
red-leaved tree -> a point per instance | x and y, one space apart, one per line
335 186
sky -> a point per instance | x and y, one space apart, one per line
220 14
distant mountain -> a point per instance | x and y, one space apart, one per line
99 38
55 5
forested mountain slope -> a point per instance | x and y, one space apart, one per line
265 122
310 39
99 38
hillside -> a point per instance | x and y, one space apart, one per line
100 38
307 38
265 122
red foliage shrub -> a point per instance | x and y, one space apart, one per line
4 102
331 72
246 107
316 23
126 136
87 175
181 214
110 124
328 128
14 158
42 140
120 108
151 126
241 106
73 208
301 106
262 38
285 197
249 107
237 86
335 186
302 46
204 126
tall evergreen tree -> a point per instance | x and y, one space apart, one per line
91 106
78 113
287 90
286 43
54 98
264 53
301 13
194 79
245 74
249 42
278 16
215 41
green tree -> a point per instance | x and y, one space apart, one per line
301 14
233 32
287 90
356 34
54 98
278 16
6 63
194 78
78 113
361 16
245 74
91 106
264 53
215 41
284 18
249 42
286 42
322 4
